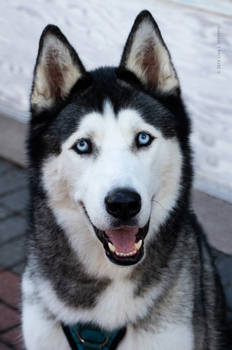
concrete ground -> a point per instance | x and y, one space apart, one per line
214 214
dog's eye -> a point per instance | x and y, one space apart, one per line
143 139
83 146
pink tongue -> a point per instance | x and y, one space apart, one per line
123 239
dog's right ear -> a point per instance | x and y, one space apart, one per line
57 69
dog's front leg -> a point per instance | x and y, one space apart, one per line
40 330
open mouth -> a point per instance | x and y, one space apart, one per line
123 245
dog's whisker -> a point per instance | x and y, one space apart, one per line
154 200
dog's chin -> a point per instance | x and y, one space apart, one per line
124 257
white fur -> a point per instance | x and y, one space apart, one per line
41 333
42 96
170 337
40 330
144 36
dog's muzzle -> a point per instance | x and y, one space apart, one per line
124 242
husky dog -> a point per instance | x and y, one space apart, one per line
113 241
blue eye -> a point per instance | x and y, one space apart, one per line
83 146
143 139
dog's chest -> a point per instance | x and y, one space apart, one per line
119 304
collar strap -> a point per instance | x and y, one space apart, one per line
85 336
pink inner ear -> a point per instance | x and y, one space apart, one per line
149 63
55 73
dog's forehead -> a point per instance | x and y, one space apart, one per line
127 119
111 125
108 96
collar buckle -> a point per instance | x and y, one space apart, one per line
101 340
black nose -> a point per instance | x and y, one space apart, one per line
123 203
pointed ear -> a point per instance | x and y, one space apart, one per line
57 69
146 55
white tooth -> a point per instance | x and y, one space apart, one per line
111 247
138 244
118 253
126 254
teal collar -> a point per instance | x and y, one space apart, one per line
85 336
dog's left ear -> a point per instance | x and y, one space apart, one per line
146 55
57 69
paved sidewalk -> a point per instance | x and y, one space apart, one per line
13 200
213 213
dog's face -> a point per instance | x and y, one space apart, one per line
110 151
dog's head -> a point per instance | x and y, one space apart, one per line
110 144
